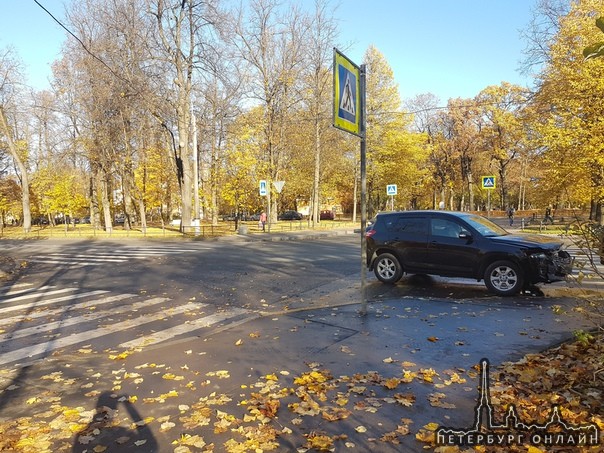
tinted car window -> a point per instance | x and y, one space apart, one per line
445 228
405 225
485 226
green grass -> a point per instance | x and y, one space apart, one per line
206 230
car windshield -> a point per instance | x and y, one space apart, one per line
484 226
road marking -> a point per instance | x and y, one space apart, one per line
84 337
101 255
23 291
13 286
86 317
51 301
171 332
67 309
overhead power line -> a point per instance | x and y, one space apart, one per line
80 41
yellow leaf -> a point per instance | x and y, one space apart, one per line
239 342
392 383
166 426
360 429
532 449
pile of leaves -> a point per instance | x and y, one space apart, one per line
570 376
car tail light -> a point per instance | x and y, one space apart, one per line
369 233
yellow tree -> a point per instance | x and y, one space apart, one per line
503 133
270 42
394 154
571 104
243 166
10 192
155 180
41 185
68 195
10 76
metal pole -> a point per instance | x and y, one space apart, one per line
363 194
195 167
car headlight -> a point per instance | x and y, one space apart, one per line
538 256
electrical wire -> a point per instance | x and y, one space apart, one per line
80 41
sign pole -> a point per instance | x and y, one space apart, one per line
350 116
363 311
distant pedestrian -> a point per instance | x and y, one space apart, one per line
548 215
262 221
511 215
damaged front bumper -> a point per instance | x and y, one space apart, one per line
552 266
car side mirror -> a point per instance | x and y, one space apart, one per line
465 235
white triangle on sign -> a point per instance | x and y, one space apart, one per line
347 102
278 185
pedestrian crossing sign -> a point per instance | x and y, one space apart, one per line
391 189
488 182
347 94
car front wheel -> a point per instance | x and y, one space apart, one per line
387 268
503 278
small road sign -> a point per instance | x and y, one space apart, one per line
262 188
391 189
488 182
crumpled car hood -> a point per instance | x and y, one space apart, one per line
530 241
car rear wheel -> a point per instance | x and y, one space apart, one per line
387 268
503 278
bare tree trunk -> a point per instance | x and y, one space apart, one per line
315 189
95 213
105 204
12 147
141 211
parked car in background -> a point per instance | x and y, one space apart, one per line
290 215
460 244
327 215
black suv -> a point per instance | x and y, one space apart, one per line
459 244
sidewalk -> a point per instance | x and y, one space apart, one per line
293 235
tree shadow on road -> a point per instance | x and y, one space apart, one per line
106 430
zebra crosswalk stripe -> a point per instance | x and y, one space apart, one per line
62 311
83 337
102 255
87 317
21 298
172 332
51 301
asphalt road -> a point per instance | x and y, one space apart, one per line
77 306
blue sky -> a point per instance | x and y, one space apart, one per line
451 48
